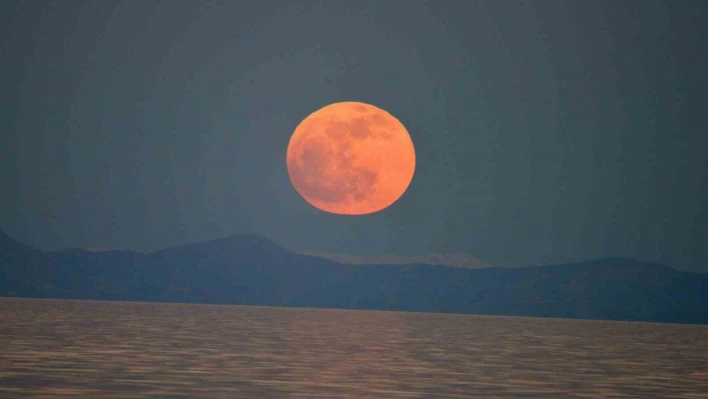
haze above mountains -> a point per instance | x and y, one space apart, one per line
462 260
252 270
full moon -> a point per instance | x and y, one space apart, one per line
351 158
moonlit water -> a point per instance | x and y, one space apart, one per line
86 349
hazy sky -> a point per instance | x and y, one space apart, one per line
545 131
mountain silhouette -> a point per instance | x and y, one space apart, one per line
252 270
14 251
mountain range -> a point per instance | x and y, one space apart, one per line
252 270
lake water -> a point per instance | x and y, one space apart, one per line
86 349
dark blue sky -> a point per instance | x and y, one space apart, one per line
545 131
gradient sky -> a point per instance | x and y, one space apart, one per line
546 131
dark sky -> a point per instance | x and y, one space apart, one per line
546 131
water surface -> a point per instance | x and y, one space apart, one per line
87 349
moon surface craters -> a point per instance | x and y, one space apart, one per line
350 158
328 172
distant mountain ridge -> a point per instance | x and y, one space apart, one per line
252 270
11 250
462 260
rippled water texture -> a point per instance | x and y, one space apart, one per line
85 349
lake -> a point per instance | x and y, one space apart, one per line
90 349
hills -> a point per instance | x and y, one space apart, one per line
251 270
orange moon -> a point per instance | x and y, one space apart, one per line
351 158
